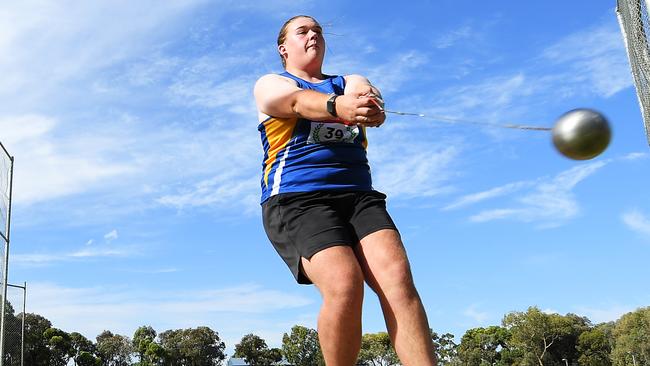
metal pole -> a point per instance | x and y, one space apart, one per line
5 273
22 333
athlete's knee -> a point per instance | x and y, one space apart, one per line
343 287
396 283
403 297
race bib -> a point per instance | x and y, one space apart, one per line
323 133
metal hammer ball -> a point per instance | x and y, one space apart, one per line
581 134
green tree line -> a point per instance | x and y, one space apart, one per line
527 338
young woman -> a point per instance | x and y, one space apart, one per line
319 208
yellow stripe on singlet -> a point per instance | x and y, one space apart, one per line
278 134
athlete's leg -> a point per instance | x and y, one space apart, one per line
387 271
336 273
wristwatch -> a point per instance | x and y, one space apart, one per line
331 105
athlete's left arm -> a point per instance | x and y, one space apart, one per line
361 87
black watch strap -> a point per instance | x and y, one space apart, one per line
331 105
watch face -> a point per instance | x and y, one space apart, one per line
331 105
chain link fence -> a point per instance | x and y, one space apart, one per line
635 25
14 325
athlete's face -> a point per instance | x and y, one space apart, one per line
304 44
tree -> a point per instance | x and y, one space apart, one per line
254 351
155 354
170 340
142 338
114 349
79 345
301 347
483 346
197 347
570 326
60 346
445 347
87 359
632 337
594 346
377 350
36 350
534 333
273 357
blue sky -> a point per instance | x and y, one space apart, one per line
138 160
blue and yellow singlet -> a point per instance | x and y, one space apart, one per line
301 155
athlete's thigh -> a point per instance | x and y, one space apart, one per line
334 269
383 260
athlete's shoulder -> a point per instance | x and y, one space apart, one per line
273 85
274 79
355 78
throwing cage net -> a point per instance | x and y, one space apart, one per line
5 190
7 318
635 25
13 326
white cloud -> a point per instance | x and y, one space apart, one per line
21 129
208 81
603 315
637 221
36 258
411 170
41 259
48 166
110 236
61 29
450 38
133 163
485 195
389 77
589 62
103 252
496 214
500 91
108 139
595 55
84 253
636 156
153 271
223 190
550 203
123 309
550 311
477 316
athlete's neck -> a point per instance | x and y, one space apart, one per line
308 75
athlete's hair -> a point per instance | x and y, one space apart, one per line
282 36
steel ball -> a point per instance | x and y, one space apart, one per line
581 134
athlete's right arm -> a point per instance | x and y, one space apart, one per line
281 97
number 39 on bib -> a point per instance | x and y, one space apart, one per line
322 132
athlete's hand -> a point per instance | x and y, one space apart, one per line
363 108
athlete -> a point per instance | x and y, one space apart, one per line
320 211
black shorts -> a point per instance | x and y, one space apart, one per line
302 224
